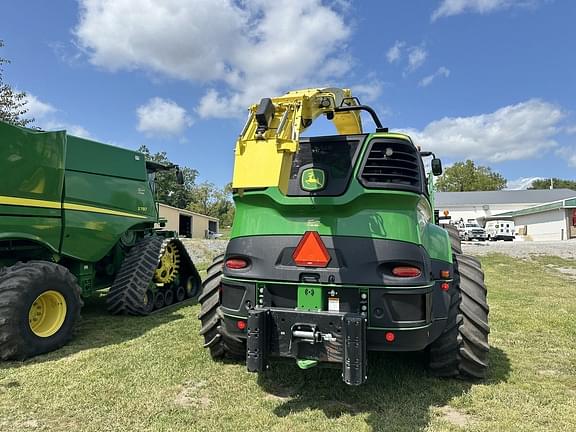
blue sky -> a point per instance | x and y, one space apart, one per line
491 80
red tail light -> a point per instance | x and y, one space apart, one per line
405 271
241 325
311 251
236 263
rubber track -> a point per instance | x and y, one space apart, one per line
462 350
220 342
136 272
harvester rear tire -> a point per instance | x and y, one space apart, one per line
462 349
454 235
219 341
21 286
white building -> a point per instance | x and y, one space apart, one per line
484 205
188 223
551 221
543 214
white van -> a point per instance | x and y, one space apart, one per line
500 230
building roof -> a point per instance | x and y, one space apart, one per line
188 212
535 196
567 203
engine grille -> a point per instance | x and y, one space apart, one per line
392 165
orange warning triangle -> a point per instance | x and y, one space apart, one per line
311 251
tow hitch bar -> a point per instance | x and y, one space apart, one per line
315 336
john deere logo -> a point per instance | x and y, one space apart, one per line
313 179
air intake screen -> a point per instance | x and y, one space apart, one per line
392 165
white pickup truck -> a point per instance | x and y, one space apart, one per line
472 231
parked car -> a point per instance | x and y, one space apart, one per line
472 231
500 230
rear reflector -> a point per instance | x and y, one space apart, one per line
390 337
236 263
406 271
311 251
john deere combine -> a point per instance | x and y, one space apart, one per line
77 216
335 251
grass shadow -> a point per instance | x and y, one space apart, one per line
397 396
97 328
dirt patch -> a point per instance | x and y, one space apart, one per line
19 425
281 392
549 372
191 395
455 417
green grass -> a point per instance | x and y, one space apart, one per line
151 374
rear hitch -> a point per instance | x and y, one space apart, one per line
309 338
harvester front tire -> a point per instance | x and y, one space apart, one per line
462 349
454 235
39 307
220 343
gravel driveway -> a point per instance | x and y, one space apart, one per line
522 249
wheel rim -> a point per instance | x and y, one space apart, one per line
168 266
47 313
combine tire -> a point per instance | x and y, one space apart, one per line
220 343
149 273
462 349
39 306
454 235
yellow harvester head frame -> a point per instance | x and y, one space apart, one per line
264 150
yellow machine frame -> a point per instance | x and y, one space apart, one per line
264 150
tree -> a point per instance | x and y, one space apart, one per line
168 191
210 200
466 176
12 103
556 182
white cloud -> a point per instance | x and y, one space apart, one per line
37 108
416 58
569 154
254 49
162 117
455 7
570 130
368 92
395 52
46 117
521 183
520 131
441 72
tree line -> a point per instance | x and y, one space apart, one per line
467 176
